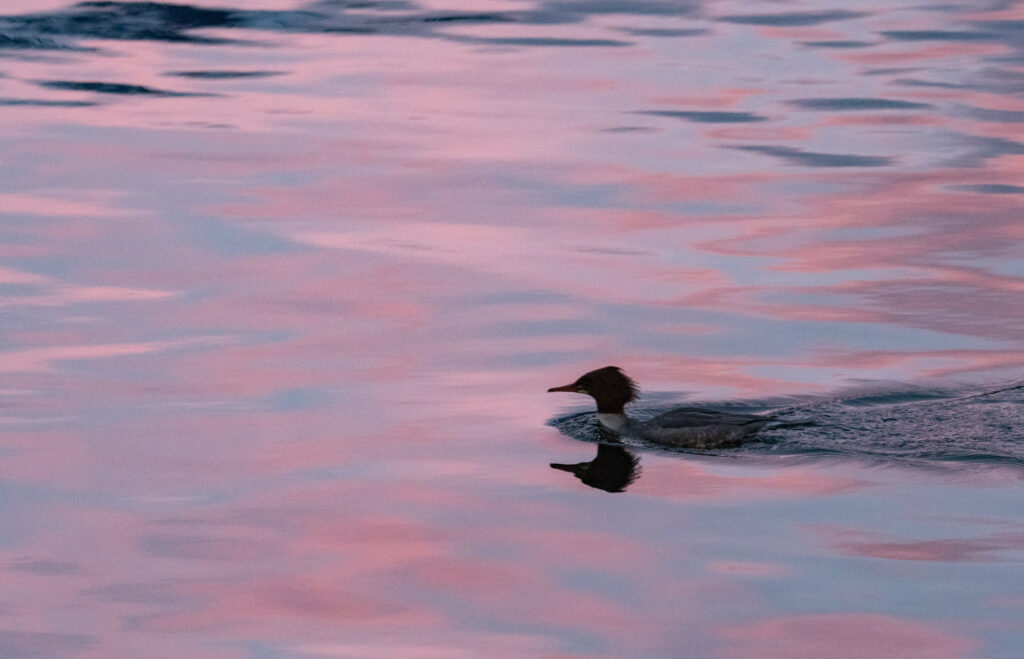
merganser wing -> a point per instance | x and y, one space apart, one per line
690 417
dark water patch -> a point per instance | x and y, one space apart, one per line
628 129
223 74
837 44
855 104
154 21
793 19
913 82
157 21
938 35
975 150
814 159
888 71
45 103
987 114
32 42
908 426
707 117
467 18
665 32
999 80
580 9
542 42
991 188
377 5
124 20
109 88
361 30
1010 30
899 396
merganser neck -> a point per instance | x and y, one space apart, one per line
609 407
613 421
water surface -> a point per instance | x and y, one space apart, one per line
284 285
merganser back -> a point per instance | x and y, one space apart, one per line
686 427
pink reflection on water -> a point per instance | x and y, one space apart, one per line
750 569
868 119
845 636
715 98
605 254
912 54
694 481
525 596
904 280
50 292
683 372
929 363
874 545
284 605
328 562
44 359
64 203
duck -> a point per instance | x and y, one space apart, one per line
685 427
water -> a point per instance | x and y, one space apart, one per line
284 286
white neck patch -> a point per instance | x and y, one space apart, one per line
614 422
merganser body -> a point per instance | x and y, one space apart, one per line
686 427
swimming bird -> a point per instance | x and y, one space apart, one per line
686 427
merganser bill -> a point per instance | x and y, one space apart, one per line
686 427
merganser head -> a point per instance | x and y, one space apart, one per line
609 386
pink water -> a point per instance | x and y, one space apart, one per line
283 287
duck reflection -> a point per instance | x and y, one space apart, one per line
612 470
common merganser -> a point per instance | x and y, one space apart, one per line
686 427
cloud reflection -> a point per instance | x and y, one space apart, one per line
846 636
873 545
